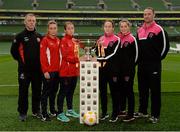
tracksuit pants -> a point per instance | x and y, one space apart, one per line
104 79
149 79
67 87
126 93
24 80
50 87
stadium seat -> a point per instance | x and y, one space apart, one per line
177 49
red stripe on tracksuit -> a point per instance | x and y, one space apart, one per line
21 52
50 54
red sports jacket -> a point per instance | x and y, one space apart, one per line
50 54
70 57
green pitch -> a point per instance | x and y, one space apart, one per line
170 114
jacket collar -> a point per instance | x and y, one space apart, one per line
68 36
123 35
48 36
27 31
145 26
108 36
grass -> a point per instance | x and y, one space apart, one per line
169 119
170 114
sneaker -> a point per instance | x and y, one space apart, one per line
37 115
139 115
53 114
154 120
113 119
22 117
45 118
62 117
72 113
122 114
128 118
104 116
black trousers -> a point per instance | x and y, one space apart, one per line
50 87
106 78
67 87
149 79
24 80
126 93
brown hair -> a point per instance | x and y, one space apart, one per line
111 21
150 8
67 23
52 22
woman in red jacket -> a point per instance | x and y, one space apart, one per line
50 62
69 72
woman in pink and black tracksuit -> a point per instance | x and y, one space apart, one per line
107 46
127 55
50 62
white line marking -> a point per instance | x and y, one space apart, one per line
13 85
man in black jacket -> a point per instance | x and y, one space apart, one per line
153 45
25 50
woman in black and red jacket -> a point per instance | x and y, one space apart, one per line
69 72
50 62
127 55
107 46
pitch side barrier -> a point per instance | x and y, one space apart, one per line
86 18
86 12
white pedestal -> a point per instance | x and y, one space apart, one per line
89 88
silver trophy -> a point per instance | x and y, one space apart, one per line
88 51
88 55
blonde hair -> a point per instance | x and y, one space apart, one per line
126 21
67 23
29 14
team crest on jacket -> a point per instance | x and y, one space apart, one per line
111 43
125 44
26 39
38 39
14 41
151 35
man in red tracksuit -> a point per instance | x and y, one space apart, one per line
50 63
153 45
25 49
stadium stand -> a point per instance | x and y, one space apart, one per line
175 4
119 5
177 49
86 2
52 4
13 4
158 5
88 21
110 5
